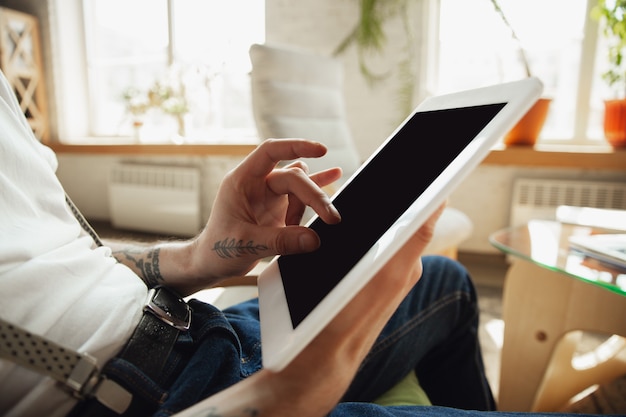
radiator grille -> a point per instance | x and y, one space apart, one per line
539 198
155 176
155 198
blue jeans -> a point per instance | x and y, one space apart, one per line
433 332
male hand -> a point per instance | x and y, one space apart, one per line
258 208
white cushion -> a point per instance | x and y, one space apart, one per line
299 94
451 230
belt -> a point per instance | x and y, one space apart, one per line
166 314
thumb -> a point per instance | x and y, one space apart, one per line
294 239
427 230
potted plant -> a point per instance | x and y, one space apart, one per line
369 37
610 14
527 130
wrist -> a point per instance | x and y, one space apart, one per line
184 268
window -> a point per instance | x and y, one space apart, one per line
163 71
560 41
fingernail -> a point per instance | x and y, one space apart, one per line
308 242
333 210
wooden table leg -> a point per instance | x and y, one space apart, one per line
540 307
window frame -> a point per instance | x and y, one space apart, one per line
69 124
68 63
584 86
67 50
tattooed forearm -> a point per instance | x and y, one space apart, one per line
231 248
147 263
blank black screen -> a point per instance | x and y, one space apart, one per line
377 197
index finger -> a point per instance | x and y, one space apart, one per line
270 152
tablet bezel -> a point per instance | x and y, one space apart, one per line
280 341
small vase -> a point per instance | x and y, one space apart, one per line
527 130
615 122
137 125
180 122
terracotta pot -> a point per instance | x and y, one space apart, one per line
527 130
615 122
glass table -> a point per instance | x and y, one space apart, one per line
551 294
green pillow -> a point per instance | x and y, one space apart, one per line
406 392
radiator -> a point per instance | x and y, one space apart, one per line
539 198
155 198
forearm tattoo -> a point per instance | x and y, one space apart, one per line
232 248
146 263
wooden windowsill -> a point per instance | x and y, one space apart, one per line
558 156
160 149
552 156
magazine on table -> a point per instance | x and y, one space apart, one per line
608 248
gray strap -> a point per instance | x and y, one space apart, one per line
83 222
44 356
77 373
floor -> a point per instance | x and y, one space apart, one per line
487 272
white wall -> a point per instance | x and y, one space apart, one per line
485 196
85 178
320 26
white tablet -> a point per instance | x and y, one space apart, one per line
382 205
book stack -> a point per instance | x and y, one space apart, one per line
610 247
